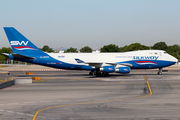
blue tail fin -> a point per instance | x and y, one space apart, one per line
19 43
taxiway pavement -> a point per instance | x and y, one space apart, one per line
74 95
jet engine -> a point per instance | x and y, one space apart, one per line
122 70
108 69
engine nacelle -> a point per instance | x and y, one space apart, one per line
108 69
11 56
123 70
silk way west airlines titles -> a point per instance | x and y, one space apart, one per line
97 63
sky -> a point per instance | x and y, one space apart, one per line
94 23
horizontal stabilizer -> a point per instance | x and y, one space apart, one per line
7 54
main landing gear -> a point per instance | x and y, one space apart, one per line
93 73
98 73
160 71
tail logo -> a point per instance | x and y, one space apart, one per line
18 43
24 47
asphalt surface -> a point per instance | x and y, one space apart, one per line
74 95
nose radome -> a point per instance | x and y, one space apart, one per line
175 59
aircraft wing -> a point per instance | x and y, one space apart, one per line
125 64
99 64
94 64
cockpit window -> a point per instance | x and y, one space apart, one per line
165 52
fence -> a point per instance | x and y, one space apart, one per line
14 62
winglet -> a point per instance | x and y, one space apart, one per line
78 60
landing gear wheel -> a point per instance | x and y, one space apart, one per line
104 74
98 73
94 73
90 73
159 73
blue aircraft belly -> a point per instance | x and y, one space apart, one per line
51 62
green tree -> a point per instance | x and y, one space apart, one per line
86 49
134 46
110 48
71 50
50 50
174 50
160 46
2 58
4 50
46 48
122 49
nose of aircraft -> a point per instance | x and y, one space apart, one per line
175 60
172 60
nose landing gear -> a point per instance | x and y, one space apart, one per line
160 71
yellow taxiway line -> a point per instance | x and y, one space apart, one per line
3 80
122 82
148 85
34 118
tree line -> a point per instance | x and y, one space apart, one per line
173 50
4 50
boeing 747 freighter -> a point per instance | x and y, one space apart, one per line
97 63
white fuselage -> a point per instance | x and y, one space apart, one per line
155 55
